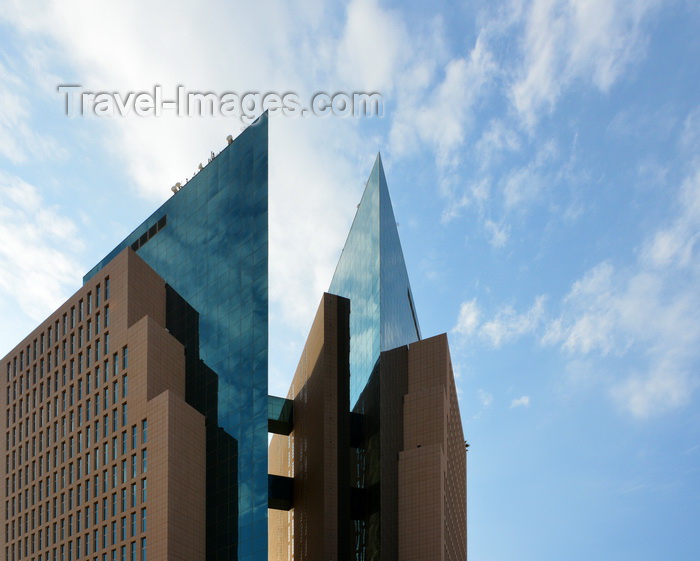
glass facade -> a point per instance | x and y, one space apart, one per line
210 243
372 273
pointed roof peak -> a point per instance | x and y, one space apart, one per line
378 162
371 272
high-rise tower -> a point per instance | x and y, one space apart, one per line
372 273
134 419
211 250
375 461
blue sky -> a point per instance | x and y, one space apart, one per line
544 162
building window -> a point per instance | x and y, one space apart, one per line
144 461
144 431
143 549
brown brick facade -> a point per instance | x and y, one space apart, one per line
316 453
104 460
408 442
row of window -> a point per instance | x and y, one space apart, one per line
73 394
137 551
21 431
16 480
85 361
76 522
53 359
74 471
53 332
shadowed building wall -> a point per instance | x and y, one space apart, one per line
316 454
411 498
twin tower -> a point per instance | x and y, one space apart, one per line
136 417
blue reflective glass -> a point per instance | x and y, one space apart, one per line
372 273
209 243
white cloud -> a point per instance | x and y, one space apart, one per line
454 208
507 325
476 193
662 389
676 245
690 139
648 312
373 46
317 167
485 397
523 186
523 401
38 267
498 234
440 113
18 141
591 301
567 42
468 320
496 139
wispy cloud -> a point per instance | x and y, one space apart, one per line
507 325
523 185
498 234
648 312
38 264
372 47
485 397
567 42
439 109
19 142
523 401
468 320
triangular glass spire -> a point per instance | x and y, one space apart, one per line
372 273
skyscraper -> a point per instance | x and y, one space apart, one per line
208 244
372 273
212 253
374 456
136 415
104 458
